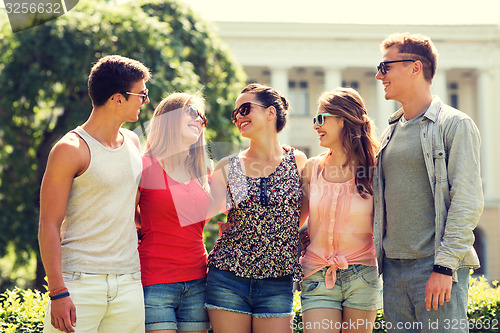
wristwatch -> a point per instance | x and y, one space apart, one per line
442 270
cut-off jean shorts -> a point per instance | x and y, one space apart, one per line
176 306
259 298
358 287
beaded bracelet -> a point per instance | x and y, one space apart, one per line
57 291
61 295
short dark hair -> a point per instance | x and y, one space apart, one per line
113 74
270 97
415 47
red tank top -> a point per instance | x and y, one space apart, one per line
172 216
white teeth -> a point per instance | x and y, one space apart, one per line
194 127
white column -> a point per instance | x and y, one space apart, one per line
279 81
333 78
486 127
440 86
384 109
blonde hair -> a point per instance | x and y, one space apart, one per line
415 47
164 138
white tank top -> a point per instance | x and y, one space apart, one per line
98 232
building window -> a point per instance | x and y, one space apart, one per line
298 92
351 84
480 250
453 94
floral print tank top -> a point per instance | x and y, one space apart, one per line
263 241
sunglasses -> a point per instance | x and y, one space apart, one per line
320 118
144 96
193 112
244 110
382 67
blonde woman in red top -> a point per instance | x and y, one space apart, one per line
173 203
341 288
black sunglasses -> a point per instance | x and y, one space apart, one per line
194 113
144 95
244 109
382 67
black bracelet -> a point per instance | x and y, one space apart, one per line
61 295
442 270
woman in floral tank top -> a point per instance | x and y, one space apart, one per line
253 264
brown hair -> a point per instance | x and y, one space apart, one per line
358 137
164 137
270 97
114 74
415 47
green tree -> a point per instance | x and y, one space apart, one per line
43 77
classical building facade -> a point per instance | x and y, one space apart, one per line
302 60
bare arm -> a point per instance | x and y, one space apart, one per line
218 188
132 136
305 180
68 158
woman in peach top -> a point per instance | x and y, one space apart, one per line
341 287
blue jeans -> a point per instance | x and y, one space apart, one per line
404 298
176 306
260 298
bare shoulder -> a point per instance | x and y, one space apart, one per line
308 167
300 158
132 136
69 155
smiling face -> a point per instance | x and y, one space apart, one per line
396 80
330 133
255 119
191 127
132 105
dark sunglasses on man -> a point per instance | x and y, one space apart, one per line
144 95
382 67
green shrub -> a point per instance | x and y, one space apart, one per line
484 306
24 310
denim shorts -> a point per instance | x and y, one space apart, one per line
176 306
358 287
260 298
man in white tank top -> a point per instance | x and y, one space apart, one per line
87 236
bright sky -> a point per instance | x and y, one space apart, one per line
351 11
